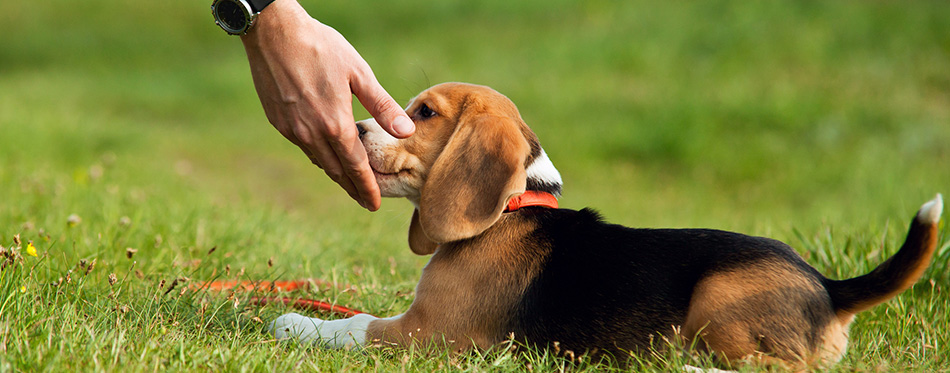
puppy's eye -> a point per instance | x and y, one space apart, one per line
425 112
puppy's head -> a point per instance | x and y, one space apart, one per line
470 154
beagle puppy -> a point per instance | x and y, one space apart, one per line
506 261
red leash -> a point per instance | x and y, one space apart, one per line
261 285
277 286
307 304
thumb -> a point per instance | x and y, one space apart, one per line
381 106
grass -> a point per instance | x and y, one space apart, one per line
824 125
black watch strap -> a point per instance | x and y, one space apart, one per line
258 5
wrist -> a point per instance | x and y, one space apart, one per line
237 17
279 15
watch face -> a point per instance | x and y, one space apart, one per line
231 16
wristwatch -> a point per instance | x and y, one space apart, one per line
236 17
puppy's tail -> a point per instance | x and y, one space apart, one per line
898 273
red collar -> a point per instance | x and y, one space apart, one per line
532 198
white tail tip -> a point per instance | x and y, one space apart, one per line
930 212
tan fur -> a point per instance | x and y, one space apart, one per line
480 169
834 342
419 243
478 135
462 309
726 307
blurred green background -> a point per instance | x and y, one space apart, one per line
791 119
721 114
759 117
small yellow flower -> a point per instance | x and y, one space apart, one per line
30 249
23 289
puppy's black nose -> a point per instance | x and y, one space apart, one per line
359 127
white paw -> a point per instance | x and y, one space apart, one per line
346 333
295 326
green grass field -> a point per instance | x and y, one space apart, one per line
136 125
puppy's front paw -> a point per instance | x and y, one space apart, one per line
299 327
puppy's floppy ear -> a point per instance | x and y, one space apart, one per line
418 241
480 168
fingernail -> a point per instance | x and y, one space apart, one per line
403 126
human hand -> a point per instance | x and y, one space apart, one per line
306 74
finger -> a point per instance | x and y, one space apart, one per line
355 165
290 135
343 157
381 106
313 158
331 165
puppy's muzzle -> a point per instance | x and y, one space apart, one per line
361 129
